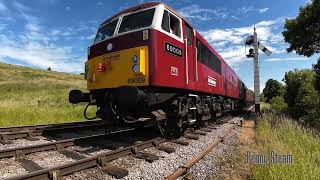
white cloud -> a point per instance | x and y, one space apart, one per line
197 13
40 55
287 59
194 11
263 10
36 46
230 42
245 9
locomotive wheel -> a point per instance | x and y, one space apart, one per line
172 128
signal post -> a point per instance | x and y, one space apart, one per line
252 40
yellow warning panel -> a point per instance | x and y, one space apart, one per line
129 67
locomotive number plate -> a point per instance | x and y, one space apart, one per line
136 80
172 49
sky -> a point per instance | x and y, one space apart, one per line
56 33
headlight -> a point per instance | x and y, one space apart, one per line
135 68
135 59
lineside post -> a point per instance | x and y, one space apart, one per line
256 72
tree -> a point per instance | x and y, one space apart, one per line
49 69
277 103
303 32
272 89
316 70
293 80
308 104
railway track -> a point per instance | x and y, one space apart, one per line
185 167
134 148
30 132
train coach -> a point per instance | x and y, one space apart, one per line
149 66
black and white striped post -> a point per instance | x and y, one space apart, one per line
253 40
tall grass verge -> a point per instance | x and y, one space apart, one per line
31 96
278 133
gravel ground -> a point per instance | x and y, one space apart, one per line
140 169
210 164
9 167
49 158
163 167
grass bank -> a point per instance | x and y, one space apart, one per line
32 96
280 134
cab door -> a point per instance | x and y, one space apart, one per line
190 62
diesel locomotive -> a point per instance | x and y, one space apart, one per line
149 66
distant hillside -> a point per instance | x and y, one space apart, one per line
32 96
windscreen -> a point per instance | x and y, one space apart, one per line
106 30
137 20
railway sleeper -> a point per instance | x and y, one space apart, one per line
29 165
147 157
181 142
31 137
202 133
4 139
166 149
72 154
115 171
206 130
191 136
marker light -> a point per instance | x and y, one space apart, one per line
101 67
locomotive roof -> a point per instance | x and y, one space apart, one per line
141 6
151 4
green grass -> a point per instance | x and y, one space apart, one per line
264 106
278 133
31 96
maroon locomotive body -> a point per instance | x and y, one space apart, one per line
148 65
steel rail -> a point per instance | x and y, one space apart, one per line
10 133
98 160
181 170
57 145
48 126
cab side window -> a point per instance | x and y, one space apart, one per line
171 23
189 35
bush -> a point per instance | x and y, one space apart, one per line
277 103
308 105
272 89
